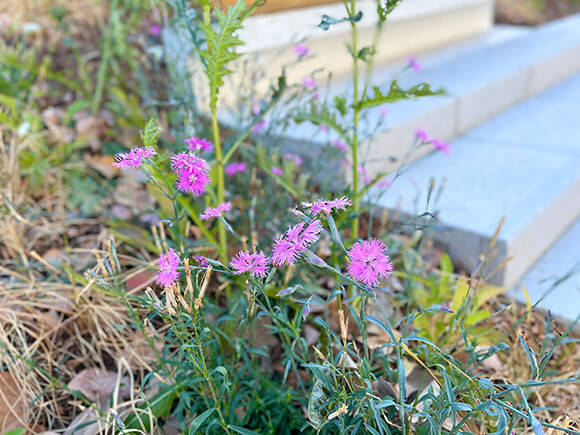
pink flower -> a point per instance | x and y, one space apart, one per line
421 135
326 207
339 144
365 179
368 262
297 159
306 309
216 212
413 64
293 242
309 82
384 183
192 173
441 146
324 128
301 50
167 274
201 260
276 171
196 144
234 168
384 111
256 263
155 30
134 158
259 126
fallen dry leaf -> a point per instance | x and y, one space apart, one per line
385 389
13 405
140 280
139 353
52 119
103 164
90 128
88 418
263 335
311 334
97 384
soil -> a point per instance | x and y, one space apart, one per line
533 12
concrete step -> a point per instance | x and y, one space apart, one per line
482 80
522 164
560 263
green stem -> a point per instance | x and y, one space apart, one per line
354 145
219 168
107 52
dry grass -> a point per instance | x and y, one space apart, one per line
54 323
52 329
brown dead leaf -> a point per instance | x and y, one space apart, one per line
140 280
88 418
263 335
103 164
52 118
90 128
311 334
132 194
121 212
417 380
384 388
48 320
13 407
55 255
139 352
97 384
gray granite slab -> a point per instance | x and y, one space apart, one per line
560 263
523 164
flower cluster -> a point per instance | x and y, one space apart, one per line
235 167
256 263
216 212
441 146
337 143
368 262
198 144
297 159
326 206
293 242
301 50
276 171
309 82
134 158
192 173
201 260
413 64
167 274
422 137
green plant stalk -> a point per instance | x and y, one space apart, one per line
220 179
219 168
200 364
107 52
356 116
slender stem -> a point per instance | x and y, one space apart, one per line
107 52
208 378
354 145
220 183
219 168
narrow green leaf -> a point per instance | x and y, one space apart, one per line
199 421
396 93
